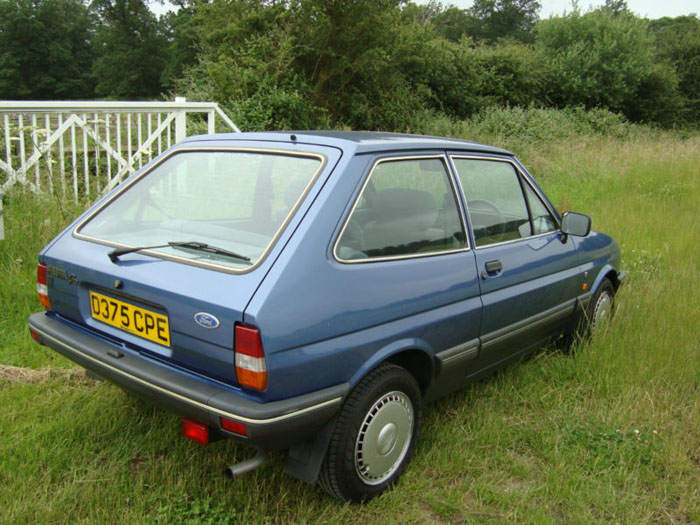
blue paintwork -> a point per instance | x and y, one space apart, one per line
324 322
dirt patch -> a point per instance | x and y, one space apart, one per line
18 374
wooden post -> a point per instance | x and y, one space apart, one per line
2 227
180 121
211 122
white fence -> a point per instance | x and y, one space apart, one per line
87 148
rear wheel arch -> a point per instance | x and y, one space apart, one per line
417 363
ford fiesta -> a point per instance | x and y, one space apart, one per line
311 292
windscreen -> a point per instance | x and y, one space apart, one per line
237 201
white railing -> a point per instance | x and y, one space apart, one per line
87 148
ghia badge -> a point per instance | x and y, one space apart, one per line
61 274
206 320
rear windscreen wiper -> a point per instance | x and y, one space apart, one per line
192 245
208 248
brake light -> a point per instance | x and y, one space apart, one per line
251 369
195 431
41 285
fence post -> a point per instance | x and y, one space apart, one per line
211 122
2 228
180 121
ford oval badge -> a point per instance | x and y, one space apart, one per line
206 320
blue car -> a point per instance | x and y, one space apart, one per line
312 291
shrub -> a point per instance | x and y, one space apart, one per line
607 59
535 125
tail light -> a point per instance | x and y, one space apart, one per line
251 369
41 286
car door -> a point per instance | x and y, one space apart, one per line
528 270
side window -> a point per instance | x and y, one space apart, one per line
407 207
542 220
495 202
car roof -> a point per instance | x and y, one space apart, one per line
359 141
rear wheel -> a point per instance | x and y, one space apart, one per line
375 435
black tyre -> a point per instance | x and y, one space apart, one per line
375 435
600 309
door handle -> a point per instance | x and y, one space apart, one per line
492 268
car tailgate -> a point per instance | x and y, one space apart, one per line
137 291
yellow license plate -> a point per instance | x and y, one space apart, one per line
139 321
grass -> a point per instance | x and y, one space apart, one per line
611 433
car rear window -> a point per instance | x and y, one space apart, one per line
234 200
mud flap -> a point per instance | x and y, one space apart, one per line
305 459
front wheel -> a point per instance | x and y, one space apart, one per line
375 435
600 309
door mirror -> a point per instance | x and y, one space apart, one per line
576 224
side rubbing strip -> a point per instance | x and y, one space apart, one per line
531 323
464 351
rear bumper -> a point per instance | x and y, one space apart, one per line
273 425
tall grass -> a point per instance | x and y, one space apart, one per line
610 433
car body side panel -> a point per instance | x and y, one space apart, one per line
539 275
353 355
308 299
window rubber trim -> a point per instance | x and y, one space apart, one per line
455 190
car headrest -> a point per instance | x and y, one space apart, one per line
418 208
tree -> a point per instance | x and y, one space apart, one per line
182 33
678 41
304 63
247 63
608 59
349 58
45 49
131 48
487 20
514 19
454 23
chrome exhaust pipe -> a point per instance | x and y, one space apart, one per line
247 465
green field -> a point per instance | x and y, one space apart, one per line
611 433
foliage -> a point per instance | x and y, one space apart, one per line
367 64
349 58
130 49
513 19
247 64
678 41
514 74
197 512
182 34
540 126
45 49
486 20
607 59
